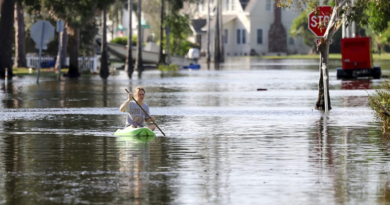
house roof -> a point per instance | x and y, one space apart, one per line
197 25
250 5
225 19
244 3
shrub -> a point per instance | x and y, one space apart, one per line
380 103
123 40
171 67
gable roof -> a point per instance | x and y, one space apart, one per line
197 25
250 5
244 3
225 19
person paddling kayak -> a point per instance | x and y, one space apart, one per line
136 116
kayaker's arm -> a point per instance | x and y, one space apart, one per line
149 119
122 108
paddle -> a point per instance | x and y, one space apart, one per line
145 112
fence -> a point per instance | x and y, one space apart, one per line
85 63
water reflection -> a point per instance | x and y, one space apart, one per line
360 84
225 143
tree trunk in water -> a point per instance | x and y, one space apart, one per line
74 40
20 37
217 54
6 34
324 62
221 52
138 63
161 59
208 32
129 67
104 73
64 45
323 48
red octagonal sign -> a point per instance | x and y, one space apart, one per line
318 20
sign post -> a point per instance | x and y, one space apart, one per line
42 32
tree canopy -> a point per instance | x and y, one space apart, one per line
372 13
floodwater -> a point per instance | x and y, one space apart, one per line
225 143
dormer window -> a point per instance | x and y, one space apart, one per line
268 5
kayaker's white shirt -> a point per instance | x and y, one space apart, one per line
135 115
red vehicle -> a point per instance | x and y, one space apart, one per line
357 59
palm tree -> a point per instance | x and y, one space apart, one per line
20 36
6 29
208 31
161 59
129 58
104 58
138 63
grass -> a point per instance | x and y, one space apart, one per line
33 72
333 56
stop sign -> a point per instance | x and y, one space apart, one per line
318 20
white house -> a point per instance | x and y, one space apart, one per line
254 27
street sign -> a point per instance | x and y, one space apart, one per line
42 32
147 26
318 20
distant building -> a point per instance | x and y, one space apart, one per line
254 27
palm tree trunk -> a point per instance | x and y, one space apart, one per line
221 52
20 40
161 59
129 68
104 58
217 54
208 32
138 63
74 41
6 30
64 45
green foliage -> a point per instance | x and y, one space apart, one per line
171 67
379 41
299 28
180 30
123 40
380 103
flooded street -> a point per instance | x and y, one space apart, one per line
226 142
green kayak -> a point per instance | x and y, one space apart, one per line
143 131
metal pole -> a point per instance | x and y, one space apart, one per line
324 81
167 33
6 76
353 23
59 55
40 51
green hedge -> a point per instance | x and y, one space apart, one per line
123 40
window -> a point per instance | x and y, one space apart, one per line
259 36
243 36
201 7
227 5
291 41
232 5
238 36
268 5
225 36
